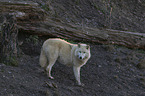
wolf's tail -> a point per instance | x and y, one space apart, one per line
43 59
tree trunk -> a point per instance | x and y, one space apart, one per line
8 40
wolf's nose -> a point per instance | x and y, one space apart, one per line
80 57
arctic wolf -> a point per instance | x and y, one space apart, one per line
75 55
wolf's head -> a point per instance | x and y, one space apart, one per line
82 51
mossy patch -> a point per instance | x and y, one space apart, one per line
33 38
12 61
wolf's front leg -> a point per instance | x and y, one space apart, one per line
77 74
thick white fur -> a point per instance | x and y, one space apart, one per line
75 55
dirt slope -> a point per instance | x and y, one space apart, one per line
111 71
112 14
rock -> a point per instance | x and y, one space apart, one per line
141 64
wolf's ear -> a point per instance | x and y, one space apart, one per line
87 47
79 45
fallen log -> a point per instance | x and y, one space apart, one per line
34 20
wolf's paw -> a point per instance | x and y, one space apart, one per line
51 77
81 84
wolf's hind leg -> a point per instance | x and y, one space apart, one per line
51 61
48 69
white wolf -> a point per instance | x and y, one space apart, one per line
75 55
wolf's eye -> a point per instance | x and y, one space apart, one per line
79 51
84 52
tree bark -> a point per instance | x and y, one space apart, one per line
9 45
